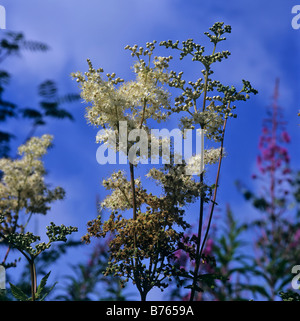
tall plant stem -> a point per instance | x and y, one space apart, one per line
133 191
213 200
201 207
199 249
134 210
33 279
198 256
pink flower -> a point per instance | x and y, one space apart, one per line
297 235
286 171
295 243
286 137
259 162
181 258
209 247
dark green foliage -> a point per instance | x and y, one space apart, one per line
12 43
49 106
87 282
40 294
228 250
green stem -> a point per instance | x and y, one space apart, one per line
213 201
205 88
216 188
134 210
133 190
198 254
33 279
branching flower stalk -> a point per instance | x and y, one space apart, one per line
23 191
189 98
22 242
134 102
143 247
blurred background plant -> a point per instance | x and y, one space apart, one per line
87 281
277 228
13 44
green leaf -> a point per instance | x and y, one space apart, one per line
46 294
41 288
18 293
42 285
48 90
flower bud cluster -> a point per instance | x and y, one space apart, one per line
218 30
220 97
58 233
140 51
23 241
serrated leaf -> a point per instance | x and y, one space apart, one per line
18 293
46 294
42 284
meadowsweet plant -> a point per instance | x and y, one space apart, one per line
143 246
207 104
23 192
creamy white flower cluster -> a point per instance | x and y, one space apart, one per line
22 186
211 156
114 100
121 193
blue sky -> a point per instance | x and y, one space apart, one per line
263 44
